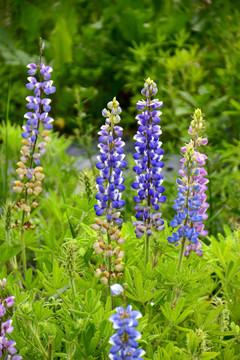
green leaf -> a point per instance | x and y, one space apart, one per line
138 282
88 230
213 315
7 252
188 97
61 41
209 355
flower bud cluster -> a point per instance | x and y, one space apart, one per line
109 186
198 123
191 204
108 249
148 167
29 170
7 348
124 342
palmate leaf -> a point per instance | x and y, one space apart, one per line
7 252
176 315
139 291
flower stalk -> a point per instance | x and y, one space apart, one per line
109 186
29 169
148 167
191 205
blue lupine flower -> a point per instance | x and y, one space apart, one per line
110 186
37 128
187 204
191 205
110 162
148 167
124 342
7 348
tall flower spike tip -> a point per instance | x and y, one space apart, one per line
191 205
124 341
109 196
35 137
149 164
7 348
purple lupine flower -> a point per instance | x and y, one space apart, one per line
110 187
38 125
148 167
111 161
9 301
7 347
202 181
124 341
188 202
191 205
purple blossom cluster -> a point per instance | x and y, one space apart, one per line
124 341
202 181
7 348
109 196
149 164
39 107
29 169
191 203
111 161
187 204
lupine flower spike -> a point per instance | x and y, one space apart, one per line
109 186
191 205
149 164
35 138
7 347
124 342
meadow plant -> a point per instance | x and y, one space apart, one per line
7 348
148 166
190 204
65 319
124 342
35 139
109 196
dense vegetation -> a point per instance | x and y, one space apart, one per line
100 49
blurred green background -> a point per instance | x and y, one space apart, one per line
100 49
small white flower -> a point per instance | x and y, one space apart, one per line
116 289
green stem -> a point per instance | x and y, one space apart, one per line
73 350
147 246
72 286
13 260
43 351
37 348
23 246
50 349
63 299
109 271
181 253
